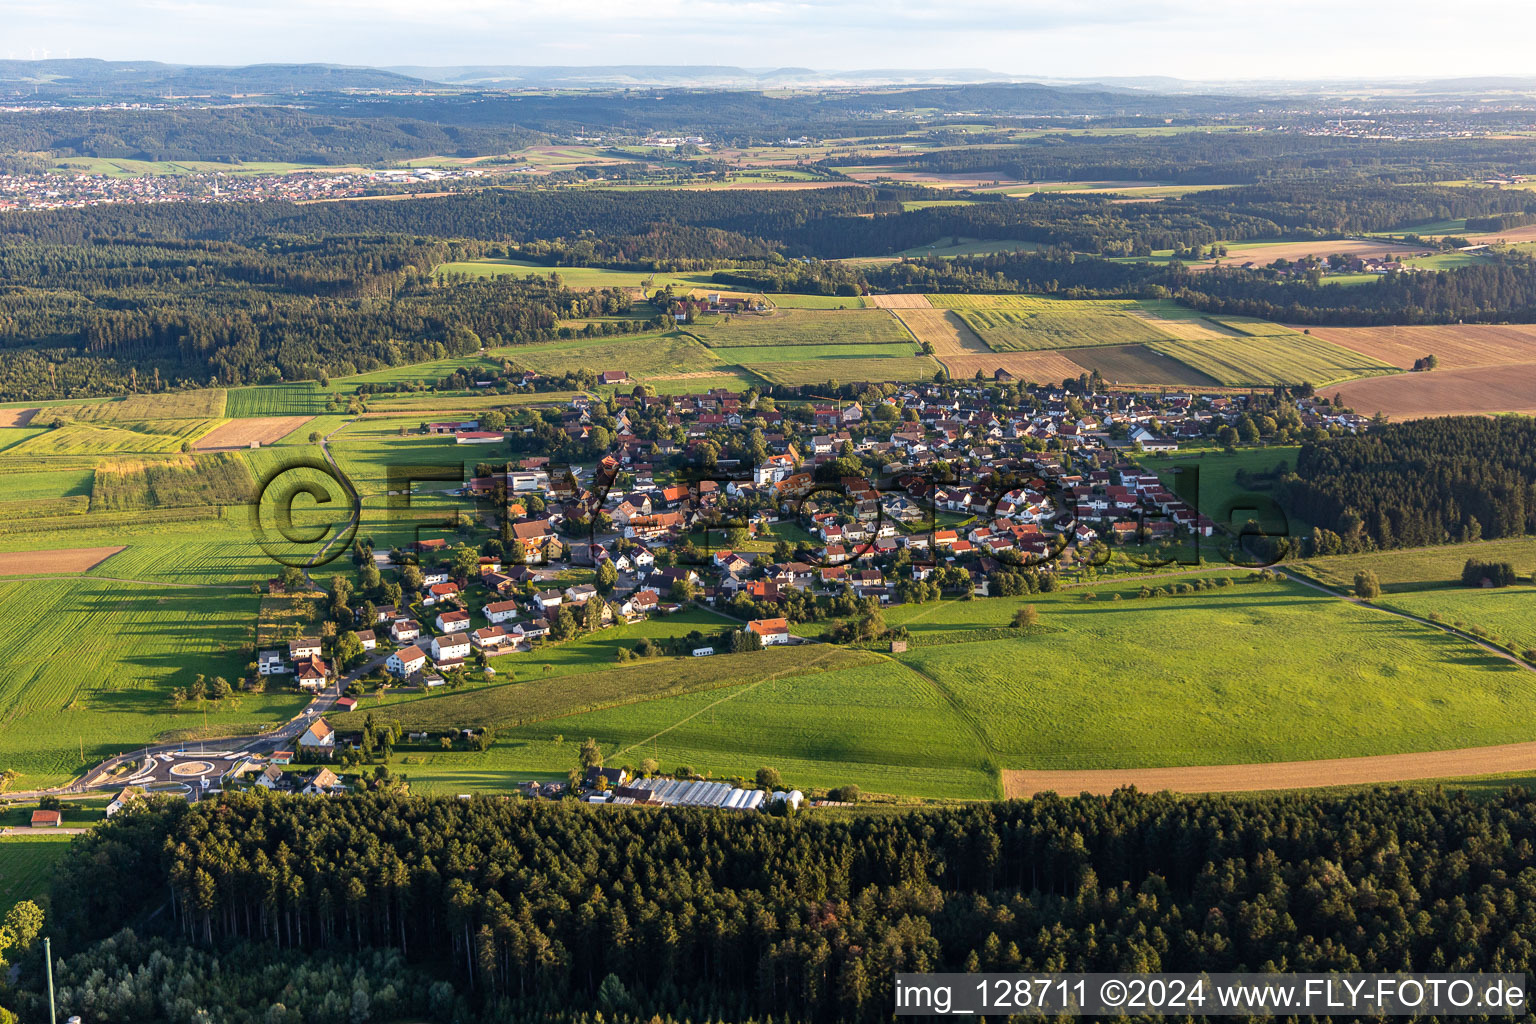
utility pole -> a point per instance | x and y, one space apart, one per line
53 1013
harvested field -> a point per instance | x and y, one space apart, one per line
1525 233
240 433
899 301
1265 253
1187 328
1455 346
1250 778
1474 391
944 330
16 417
39 563
1035 367
1138 364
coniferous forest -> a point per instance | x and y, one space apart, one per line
381 906
1432 481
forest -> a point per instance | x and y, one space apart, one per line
502 909
1431 481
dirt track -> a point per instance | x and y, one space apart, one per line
1252 778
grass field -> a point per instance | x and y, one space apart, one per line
1222 677
1414 569
128 647
207 404
1281 357
1219 493
793 327
758 355
27 864
789 300
1010 323
587 277
642 355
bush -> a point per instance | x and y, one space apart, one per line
1367 586
844 794
1025 617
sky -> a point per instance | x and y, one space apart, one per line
1191 39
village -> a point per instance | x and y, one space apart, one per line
767 512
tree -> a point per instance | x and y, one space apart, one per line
768 778
607 577
465 562
1367 586
590 755
1025 617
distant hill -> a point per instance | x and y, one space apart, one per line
86 79
702 76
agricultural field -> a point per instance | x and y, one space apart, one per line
641 355
39 563
244 433
302 399
207 404
1483 390
1281 357
220 478
1010 323
130 646
580 278
151 436
1454 346
27 864
1221 679
1408 570
791 300
755 356
1140 364
964 354
12 436
799 327
818 371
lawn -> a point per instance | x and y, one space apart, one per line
1022 323
801 327
27 864
1219 493
129 647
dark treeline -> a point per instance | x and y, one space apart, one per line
529 908
247 134
1230 158
286 308
825 223
1432 481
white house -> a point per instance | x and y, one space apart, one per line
304 647
319 736
489 638
499 611
129 795
270 663
454 647
770 631
367 639
452 621
405 630
406 661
